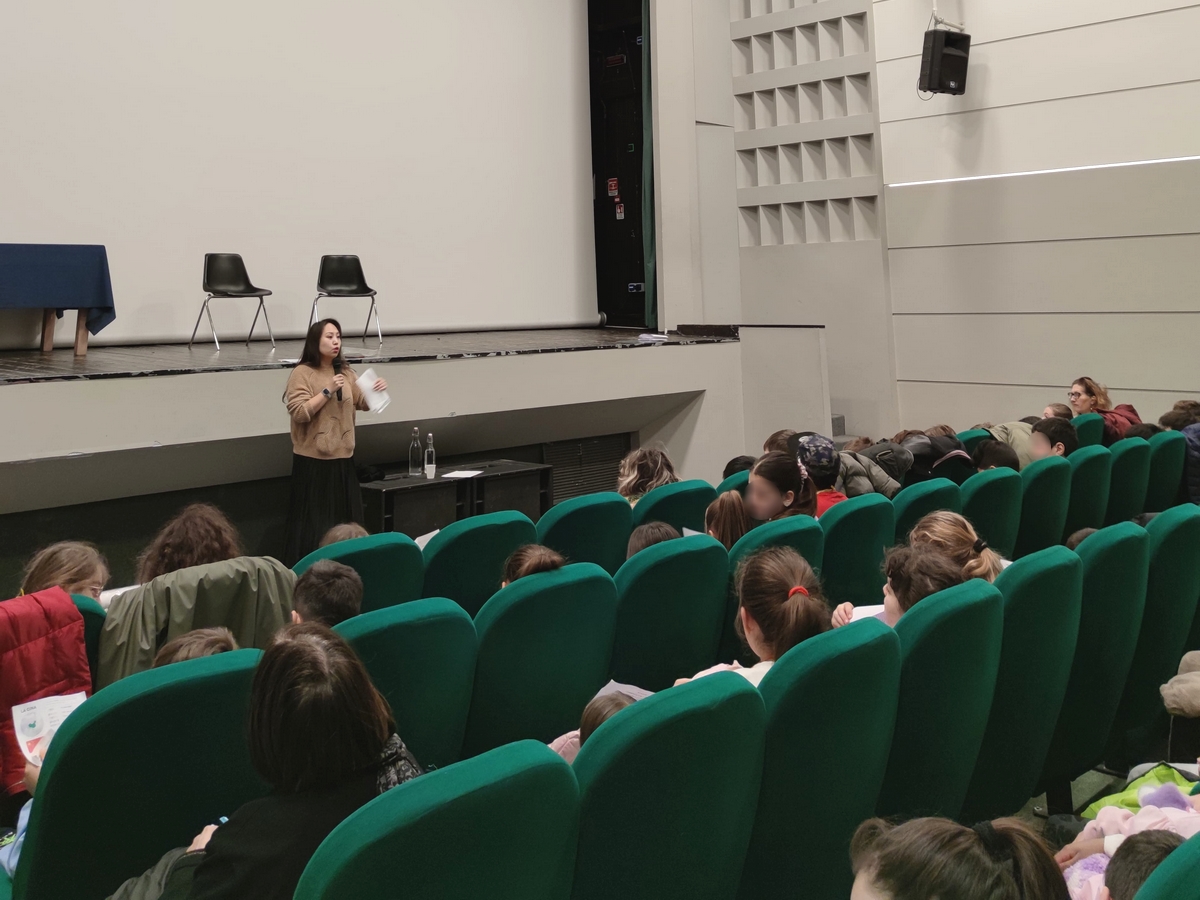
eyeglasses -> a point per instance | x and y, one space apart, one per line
1075 395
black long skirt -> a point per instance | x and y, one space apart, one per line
325 493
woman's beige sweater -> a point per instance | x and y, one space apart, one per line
329 434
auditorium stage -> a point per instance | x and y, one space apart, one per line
26 366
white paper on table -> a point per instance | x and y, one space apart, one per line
463 473
37 721
377 401
687 532
652 338
425 538
866 612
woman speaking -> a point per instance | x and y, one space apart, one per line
321 398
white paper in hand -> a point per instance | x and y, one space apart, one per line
37 721
377 401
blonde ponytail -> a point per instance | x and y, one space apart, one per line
954 536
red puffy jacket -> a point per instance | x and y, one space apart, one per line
42 654
1117 421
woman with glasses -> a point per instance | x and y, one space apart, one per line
1089 396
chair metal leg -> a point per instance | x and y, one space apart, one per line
255 322
379 331
267 319
312 316
203 307
212 328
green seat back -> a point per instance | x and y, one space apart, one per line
670 607
918 500
1130 478
1042 601
390 566
1115 565
1045 496
1175 878
421 656
1172 589
93 623
991 501
956 469
1168 453
137 770
801 533
735 482
681 504
667 791
1090 429
857 532
593 528
973 438
831 707
545 644
501 826
465 560
949 658
1091 476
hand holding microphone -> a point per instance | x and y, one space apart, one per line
337 377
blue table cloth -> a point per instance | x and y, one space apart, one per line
57 276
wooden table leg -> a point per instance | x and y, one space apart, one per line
81 332
47 330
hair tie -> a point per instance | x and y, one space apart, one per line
1000 849
797 590
980 545
803 471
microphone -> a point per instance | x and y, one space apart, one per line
337 370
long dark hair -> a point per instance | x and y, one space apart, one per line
783 470
311 356
767 583
198 534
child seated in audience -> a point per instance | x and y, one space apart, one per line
726 519
1058 411
993 454
642 471
912 574
778 442
194 645
819 456
779 486
324 739
598 711
529 559
1053 437
75 566
780 605
1144 430
10 852
737 464
941 431
648 535
1077 537
931 858
328 592
347 531
1121 875
198 535
1179 418
954 535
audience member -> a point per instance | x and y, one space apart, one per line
530 559
75 566
347 531
780 605
954 536
194 645
726 519
199 534
857 445
1145 430
927 858
10 850
779 486
941 431
778 442
912 574
598 711
930 452
1077 537
328 592
1089 396
1053 437
738 464
1018 436
1135 860
819 456
324 739
879 468
648 535
1058 410
1030 420
1178 419
642 471
993 454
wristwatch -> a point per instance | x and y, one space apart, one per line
328 395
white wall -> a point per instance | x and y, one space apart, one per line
447 144
1006 288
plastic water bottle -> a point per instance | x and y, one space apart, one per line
415 453
430 460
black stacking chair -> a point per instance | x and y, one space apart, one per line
342 276
225 277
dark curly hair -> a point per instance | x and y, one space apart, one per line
199 534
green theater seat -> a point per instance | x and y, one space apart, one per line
1130 479
1045 497
681 505
593 528
1091 479
857 532
464 561
918 500
390 566
991 501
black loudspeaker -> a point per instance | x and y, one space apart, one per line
944 62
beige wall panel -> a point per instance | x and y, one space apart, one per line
719 260
710 51
785 382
